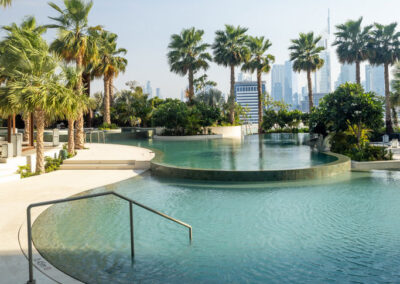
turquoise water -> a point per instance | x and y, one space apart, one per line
266 152
341 230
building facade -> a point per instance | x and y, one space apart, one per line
246 95
347 74
374 79
277 82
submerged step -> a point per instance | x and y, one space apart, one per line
138 165
72 161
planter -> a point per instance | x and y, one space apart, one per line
226 131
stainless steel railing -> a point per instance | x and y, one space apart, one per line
131 202
100 134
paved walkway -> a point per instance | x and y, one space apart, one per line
17 195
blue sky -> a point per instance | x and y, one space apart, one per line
145 26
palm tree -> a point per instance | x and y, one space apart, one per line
385 50
259 62
395 95
304 53
352 44
230 50
187 55
72 42
5 3
110 65
33 85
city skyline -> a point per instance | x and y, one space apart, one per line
147 44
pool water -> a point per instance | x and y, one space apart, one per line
254 152
338 230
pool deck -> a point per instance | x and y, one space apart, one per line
15 196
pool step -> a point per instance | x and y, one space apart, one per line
105 165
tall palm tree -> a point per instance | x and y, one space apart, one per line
395 95
187 55
352 44
72 42
5 3
385 50
111 63
33 85
304 52
259 62
230 50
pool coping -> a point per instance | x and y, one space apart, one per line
340 165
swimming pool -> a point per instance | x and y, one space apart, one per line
337 230
341 229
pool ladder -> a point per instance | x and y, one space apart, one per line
131 202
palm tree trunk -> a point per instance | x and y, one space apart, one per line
86 83
111 91
27 127
394 116
388 118
39 142
191 87
260 111
358 78
79 138
231 99
106 117
310 94
71 142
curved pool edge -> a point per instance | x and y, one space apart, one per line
342 164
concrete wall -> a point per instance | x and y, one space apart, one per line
341 165
227 131
375 165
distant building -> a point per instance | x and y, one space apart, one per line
287 83
347 74
316 98
374 79
148 89
158 93
246 95
277 82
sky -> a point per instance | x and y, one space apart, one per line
144 28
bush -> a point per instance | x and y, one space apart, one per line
108 126
25 171
173 115
52 164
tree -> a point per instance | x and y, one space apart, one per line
385 50
304 53
212 97
259 62
230 50
110 65
187 55
5 3
349 108
72 42
352 44
202 82
173 114
395 95
33 85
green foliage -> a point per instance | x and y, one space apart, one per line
212 97
285 119
108 126
173 115
348 108
25 171
52 164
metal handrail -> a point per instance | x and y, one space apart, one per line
91 132
29 225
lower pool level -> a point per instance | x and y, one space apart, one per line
338 230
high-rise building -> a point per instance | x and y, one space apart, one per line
287 83
322 77
374 79
347 74
246 95
158 93
277 82
149 90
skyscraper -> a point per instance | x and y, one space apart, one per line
149 90
288 84
246 95
374 79
158 93
347 74
277 82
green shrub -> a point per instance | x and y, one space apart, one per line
25 171
52 164
108 126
